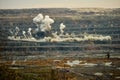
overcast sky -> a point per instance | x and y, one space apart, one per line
13 4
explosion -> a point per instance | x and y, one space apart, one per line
43 33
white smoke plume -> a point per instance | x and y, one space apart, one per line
44 24
38 19
68 38
47 21
16 30
62 27
11 32
24 34
96 37
29 32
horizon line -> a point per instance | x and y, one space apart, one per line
59 7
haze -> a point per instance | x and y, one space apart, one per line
18 4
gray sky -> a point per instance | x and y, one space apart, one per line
13 4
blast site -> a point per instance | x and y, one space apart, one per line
60 44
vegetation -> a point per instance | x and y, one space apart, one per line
33 74
8 74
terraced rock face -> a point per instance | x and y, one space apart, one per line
76 21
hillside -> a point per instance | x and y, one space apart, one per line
85 20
